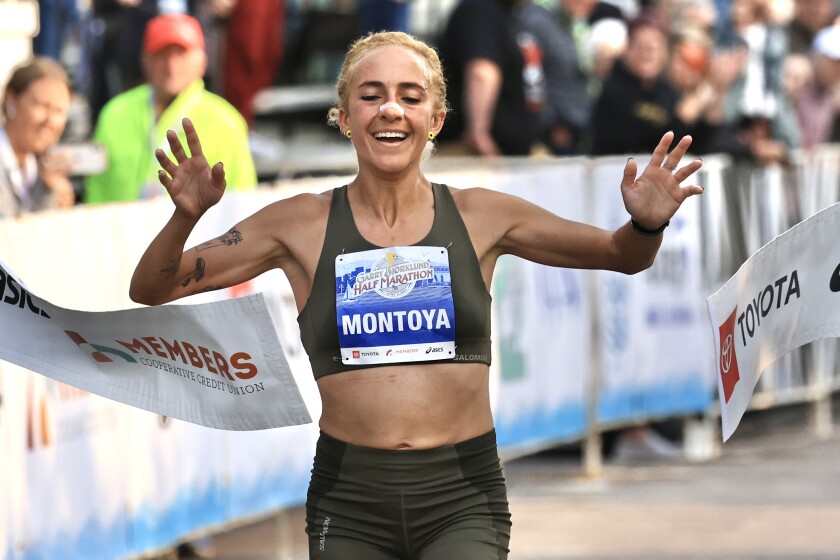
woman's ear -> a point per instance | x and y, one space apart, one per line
343 121
437 121
9 108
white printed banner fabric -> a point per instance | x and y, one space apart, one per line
541 324
68 430
218 364
651 322
9 457
785 295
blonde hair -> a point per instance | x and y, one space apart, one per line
361 47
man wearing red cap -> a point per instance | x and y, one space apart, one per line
134 124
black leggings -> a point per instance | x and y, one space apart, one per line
431 504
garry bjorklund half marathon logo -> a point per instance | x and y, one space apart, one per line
393 276
729 375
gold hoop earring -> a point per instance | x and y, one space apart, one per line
348 134
431 136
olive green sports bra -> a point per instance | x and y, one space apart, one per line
317 319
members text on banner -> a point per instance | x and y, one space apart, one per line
215 364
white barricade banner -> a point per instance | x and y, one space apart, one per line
180 488
647 319
75 473
785 295
617 306
677 374
541 323
10 459
217 364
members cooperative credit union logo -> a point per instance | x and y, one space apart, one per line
151 348
728 359
98 352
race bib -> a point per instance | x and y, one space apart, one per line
394 305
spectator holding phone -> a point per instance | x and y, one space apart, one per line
35 104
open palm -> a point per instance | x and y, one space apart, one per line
654 197
193 186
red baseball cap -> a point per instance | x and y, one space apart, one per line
173 29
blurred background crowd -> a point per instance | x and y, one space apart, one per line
756 79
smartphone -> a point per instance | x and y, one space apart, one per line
85 158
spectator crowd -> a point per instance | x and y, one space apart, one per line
756 79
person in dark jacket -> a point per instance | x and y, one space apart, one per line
636 103
495 77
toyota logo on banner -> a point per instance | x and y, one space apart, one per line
728 359
726 353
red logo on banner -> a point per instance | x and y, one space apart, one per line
357 354
98 352
728 360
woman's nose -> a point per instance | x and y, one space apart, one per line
391 110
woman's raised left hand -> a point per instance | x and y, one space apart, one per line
654 197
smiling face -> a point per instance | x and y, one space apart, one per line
390 139
40 114
647 53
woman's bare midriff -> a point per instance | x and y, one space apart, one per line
407 406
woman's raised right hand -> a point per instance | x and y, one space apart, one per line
193 186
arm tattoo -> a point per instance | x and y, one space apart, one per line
196 274
172 269
232 237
